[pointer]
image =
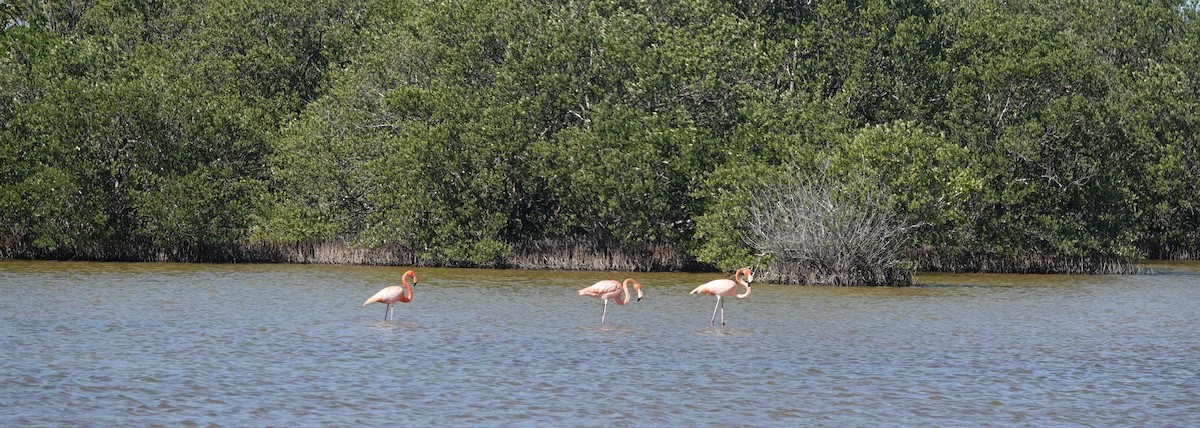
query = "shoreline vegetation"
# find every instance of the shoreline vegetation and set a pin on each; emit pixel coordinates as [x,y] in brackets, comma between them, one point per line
[589,256]
[837,142]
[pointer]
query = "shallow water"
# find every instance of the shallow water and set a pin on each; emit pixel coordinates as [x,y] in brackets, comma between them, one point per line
[103,344]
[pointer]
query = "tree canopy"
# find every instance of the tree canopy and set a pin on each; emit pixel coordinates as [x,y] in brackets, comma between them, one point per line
[1009,135]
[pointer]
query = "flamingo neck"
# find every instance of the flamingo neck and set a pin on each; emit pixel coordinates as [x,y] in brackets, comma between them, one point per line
[408,293]
[624,297]
[743,272]
[625,290]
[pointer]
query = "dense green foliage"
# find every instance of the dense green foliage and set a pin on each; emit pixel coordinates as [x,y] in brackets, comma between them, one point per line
[460,130]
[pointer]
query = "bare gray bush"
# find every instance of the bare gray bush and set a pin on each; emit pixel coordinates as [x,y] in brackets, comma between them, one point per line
[824,231]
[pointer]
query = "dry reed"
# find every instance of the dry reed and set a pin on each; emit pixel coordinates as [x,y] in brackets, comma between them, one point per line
[928,259]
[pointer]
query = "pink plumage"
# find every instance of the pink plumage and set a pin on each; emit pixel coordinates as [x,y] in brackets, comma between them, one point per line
[605,290]
[726,288]
[389,296]
[394,294]
[718,287]
[612,290]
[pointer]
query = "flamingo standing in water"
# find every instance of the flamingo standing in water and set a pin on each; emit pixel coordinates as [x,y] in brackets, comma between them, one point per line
[612,290]
[394,294]
[726,288]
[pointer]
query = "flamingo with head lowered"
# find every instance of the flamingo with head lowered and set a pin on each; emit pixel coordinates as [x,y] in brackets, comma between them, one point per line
[394,294]
[612,290]
[726,288]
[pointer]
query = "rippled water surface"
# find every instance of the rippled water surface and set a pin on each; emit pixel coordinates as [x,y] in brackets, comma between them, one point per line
[110,344]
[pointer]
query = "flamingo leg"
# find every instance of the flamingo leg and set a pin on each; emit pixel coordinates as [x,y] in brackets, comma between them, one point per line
[605,313]
[722,301]
[713,321]
[387,313]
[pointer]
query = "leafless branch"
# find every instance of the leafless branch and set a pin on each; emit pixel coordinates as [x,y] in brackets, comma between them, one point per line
[842,233]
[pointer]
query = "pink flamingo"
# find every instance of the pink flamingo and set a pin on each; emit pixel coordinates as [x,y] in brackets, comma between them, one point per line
[611,289]
[726,288]
[394,294]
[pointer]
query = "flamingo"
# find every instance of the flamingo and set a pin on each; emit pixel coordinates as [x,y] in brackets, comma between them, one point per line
[394,294]
[611,289]
[726,288]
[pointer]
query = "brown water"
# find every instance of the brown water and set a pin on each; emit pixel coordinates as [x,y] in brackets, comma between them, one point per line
[107,344]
